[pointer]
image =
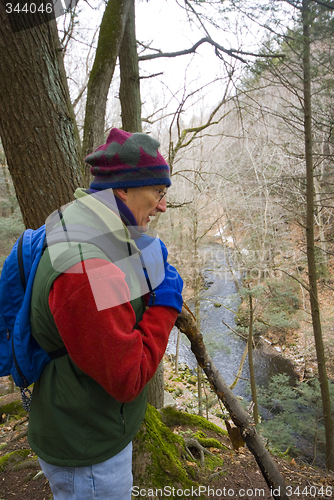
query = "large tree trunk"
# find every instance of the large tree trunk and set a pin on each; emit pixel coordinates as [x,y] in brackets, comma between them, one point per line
[156,393]
[310,210]
[37,124]
[129,92]
[275,481]
[110,38]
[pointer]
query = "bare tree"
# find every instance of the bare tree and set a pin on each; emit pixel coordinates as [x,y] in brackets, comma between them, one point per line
[110,39]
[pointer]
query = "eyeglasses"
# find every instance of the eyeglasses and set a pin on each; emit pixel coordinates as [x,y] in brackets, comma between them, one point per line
[161,194]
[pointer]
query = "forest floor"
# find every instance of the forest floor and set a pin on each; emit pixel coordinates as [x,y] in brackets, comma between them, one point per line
[239,477]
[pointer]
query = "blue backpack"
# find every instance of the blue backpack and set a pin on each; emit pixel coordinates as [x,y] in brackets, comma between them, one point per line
[20,354]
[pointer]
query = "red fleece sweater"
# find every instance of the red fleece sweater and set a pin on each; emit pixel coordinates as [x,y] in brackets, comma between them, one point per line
[103,343]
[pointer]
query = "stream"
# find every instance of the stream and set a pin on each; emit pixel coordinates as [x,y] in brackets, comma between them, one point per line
[219,301]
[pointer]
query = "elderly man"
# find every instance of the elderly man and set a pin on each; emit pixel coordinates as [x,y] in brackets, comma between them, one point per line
[108,311]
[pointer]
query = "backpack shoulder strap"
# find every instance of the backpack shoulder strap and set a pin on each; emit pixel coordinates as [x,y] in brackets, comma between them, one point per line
[20,261]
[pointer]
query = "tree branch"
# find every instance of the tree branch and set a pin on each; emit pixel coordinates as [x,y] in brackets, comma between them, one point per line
[240,417]
[231,52]
[324,4]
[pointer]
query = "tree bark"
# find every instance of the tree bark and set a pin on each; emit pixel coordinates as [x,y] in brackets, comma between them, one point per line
[129,92]
[250,361]
[310,211]
[37,123]
[240,417]
[156,393]
[110,38]
[129,95]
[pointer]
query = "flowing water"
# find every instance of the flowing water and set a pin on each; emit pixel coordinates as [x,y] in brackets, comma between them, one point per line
[219,302]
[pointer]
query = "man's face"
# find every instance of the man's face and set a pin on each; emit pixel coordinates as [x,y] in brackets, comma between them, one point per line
[145,202]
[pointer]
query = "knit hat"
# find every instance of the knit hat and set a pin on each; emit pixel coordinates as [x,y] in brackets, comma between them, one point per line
[128,160]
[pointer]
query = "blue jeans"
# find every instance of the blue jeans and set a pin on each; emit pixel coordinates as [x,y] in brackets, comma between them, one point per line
[109,480]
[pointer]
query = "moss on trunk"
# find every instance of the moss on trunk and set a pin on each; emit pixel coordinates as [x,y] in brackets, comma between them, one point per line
[160,460]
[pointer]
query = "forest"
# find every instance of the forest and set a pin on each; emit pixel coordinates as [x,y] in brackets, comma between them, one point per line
[240,96]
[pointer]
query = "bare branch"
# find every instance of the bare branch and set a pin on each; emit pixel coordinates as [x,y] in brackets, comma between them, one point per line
[151,76]
[178,205]
[324,4]
[231,52]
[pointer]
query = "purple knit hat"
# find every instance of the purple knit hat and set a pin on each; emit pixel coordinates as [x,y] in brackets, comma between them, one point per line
[128,160]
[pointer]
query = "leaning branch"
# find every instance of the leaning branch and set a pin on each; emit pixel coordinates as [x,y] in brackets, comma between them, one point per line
[186,323]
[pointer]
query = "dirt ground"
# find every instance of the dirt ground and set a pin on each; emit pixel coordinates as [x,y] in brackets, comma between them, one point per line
[20,485]
[243,479]
[239,477]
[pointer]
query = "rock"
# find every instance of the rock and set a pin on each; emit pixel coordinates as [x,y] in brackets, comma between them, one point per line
[168,399]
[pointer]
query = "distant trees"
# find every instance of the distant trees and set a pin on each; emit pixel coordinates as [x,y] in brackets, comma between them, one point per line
[302,75]
[311,257]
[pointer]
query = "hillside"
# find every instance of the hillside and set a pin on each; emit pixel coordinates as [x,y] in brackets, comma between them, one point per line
[228,474]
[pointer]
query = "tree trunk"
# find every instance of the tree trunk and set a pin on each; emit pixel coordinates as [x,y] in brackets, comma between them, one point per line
[197,291]
[275,481]
[310,210]
[129,95]
[129,92]
[155,395]
[37,124]
[110,38]
[251,363]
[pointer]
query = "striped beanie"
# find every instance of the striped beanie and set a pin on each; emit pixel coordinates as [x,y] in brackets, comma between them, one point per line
[128,160]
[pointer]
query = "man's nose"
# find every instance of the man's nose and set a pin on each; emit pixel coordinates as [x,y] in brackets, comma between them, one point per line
[162,205]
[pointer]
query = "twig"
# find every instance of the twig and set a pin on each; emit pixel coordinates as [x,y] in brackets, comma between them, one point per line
[19,436]
[215,474]
[20,422]
[234,331]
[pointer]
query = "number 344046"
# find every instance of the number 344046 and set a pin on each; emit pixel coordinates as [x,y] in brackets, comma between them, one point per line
[28,8]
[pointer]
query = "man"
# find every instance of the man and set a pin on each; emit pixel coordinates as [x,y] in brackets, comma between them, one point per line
[112,307]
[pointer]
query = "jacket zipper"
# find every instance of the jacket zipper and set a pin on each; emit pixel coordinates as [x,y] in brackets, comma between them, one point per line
[122,417]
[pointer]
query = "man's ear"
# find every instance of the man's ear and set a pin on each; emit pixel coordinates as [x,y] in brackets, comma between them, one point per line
[121,193]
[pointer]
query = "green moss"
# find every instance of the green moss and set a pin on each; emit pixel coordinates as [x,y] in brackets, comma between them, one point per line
[14,408]
[29,463]
[170,416]
[199,434]
[158,456]
[13,458]
[207,442]
[213,461]
[160,459]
